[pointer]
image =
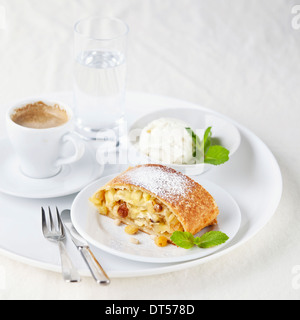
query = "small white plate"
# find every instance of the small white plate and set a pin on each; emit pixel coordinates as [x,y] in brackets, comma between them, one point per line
[224,132]
[101,231]
[71,179]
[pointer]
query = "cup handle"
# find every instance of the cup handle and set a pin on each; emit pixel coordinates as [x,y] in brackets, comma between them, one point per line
[79,150]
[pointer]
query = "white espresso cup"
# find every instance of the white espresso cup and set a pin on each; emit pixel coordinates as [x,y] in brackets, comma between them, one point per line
[40,149]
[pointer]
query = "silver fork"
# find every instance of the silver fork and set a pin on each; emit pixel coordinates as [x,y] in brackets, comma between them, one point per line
[57,234]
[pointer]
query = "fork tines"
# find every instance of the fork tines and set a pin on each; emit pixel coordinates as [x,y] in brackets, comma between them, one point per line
[54,232]
[51,227]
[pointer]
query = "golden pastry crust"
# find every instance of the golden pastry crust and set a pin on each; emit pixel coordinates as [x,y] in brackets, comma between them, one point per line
[192,205]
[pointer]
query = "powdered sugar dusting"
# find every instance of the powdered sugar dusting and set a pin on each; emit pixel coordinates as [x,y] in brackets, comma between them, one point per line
[161,181]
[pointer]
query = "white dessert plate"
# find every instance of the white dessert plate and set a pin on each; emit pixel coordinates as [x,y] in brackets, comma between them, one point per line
[71,179]
[224,132]
[105,235]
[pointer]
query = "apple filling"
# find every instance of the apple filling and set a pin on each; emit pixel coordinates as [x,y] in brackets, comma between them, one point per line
[138,208]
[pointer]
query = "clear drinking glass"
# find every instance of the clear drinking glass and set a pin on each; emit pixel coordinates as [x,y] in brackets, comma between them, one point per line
[99,74]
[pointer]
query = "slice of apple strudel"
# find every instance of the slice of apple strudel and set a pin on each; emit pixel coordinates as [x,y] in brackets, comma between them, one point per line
[157,200]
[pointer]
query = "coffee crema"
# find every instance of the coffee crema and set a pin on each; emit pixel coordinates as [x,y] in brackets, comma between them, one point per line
[40,116]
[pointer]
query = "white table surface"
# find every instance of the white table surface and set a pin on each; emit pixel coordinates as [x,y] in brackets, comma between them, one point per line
[238,57]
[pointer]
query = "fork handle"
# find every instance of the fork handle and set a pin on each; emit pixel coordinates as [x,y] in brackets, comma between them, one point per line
[94,266]
[69,272]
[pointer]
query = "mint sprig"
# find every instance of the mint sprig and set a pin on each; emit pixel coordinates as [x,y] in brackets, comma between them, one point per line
[205,152]
[210,239]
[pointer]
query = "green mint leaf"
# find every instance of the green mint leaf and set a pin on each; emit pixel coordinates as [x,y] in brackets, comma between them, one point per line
[206,142]
[196,143]
[211,239]
[216,155]
[183,239]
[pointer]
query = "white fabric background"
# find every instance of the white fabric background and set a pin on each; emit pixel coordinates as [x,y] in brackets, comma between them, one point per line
[239,57]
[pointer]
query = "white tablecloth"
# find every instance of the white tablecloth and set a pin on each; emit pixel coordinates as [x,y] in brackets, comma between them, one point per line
[238,57]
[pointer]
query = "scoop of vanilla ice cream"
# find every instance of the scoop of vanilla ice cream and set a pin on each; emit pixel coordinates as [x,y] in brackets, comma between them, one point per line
[166,140]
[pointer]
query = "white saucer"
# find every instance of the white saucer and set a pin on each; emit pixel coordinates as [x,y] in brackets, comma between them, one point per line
[71,179]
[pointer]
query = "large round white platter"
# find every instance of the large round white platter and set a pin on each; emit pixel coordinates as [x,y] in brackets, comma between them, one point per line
[252,177]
